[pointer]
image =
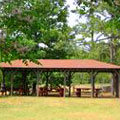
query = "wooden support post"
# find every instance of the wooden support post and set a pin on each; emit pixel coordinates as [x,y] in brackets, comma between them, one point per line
[47,80]
[92,84]
[24,74]
[37,86]
[65,74]
[113,84]
[3,87]
[48,74]
[69,78]
[117,86]
[11,89]
[70,90]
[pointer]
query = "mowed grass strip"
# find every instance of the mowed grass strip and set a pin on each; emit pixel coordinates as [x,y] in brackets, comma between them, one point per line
[48,108]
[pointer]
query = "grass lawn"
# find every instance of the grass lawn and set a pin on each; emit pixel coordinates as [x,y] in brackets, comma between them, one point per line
[47,108]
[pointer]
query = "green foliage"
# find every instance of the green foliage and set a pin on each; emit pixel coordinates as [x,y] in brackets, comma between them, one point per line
[81,78]
[28,23]
[98,37]
[84,78]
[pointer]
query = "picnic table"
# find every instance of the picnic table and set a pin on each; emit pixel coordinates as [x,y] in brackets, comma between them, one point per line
[80,90]
[43,91]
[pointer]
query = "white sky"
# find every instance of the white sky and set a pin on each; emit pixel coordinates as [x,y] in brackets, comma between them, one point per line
[72,19]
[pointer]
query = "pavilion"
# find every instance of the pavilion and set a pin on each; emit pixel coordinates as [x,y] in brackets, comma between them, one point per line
[67,66]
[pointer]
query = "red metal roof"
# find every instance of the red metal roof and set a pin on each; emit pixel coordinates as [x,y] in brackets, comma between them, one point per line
[61,63]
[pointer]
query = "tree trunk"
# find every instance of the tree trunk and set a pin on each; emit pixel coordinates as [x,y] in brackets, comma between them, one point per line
[112,60]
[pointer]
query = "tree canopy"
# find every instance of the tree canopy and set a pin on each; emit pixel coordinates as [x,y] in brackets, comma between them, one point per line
[99,35]
[34,29]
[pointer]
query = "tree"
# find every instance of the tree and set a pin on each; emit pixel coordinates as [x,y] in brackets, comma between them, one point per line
[101,26]
[27,23]
[34,29]
[101,29]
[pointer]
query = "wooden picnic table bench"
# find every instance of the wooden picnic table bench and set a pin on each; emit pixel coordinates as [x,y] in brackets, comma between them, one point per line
[44,91]
[86,90]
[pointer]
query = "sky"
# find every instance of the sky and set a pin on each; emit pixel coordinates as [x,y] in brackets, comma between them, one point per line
[72,19]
